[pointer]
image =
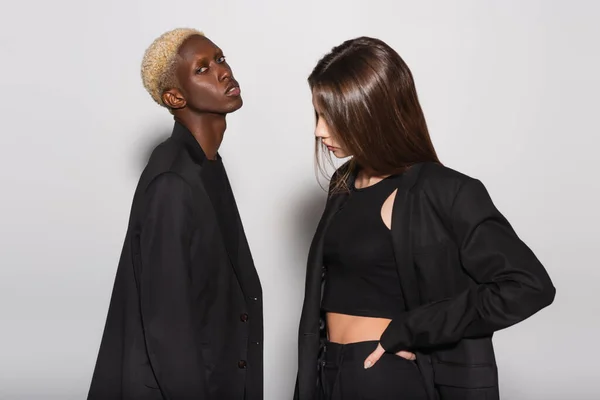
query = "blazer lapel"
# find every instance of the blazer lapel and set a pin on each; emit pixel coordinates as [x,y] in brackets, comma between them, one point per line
[204,187]
[333,206]
[401,236]
[315,268]
[309,322]
[402,214]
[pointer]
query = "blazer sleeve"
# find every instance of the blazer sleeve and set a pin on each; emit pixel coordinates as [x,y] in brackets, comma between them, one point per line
[165,290]
[511,284]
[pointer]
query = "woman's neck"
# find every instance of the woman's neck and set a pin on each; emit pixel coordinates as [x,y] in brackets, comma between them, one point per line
[366,178]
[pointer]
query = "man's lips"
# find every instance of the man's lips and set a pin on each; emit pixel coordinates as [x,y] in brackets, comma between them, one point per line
[233,89]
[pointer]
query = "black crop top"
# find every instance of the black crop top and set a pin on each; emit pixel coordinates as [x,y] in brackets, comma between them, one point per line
[361,274]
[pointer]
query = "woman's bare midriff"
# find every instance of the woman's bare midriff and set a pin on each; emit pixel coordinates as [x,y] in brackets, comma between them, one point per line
[344,329]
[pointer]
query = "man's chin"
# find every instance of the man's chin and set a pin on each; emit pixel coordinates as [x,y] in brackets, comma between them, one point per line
[220,109]
[231,108]
[238,105]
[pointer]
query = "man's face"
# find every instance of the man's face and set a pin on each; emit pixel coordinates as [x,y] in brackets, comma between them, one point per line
[205,79]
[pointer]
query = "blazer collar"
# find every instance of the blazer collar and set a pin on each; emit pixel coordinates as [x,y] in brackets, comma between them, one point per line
[184,136]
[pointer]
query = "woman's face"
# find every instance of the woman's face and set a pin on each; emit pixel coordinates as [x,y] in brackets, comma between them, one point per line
[325,135]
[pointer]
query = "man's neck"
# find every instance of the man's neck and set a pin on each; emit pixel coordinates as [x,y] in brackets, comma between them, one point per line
[207,129]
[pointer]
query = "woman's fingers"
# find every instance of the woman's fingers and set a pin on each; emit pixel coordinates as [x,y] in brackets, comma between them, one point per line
[407,354]
[374,357]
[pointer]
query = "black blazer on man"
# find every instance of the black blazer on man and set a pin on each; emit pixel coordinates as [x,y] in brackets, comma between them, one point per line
[464,275]
[185,318]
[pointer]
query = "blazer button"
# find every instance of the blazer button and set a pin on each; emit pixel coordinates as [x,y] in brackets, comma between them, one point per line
[321,323]
[244,317]
[242,364]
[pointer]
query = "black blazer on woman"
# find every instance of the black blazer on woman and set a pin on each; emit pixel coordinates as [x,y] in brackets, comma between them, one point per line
[185,319]
[464,274]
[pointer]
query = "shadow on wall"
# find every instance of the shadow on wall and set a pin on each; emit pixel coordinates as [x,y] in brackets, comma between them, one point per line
[149,140]
[306,212]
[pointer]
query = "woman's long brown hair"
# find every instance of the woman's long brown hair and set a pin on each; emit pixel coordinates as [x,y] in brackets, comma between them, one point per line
[368,98]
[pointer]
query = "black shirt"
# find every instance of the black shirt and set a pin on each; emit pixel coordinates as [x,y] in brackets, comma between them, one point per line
[362,277]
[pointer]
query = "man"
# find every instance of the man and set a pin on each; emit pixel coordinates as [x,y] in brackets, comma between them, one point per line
[185,319]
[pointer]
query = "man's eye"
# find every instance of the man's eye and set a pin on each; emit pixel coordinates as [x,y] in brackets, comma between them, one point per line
[221,59]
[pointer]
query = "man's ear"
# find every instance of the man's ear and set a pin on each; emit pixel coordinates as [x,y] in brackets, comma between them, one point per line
[173,99]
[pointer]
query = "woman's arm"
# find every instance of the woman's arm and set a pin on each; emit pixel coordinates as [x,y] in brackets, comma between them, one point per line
[511,283]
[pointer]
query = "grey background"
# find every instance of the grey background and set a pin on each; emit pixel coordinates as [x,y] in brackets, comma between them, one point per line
[509,89]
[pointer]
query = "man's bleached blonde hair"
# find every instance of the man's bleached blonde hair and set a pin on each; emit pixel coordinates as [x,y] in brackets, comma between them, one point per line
[158,72]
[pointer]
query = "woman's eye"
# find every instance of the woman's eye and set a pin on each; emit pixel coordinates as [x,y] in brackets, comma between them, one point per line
[221,59]
[201,70]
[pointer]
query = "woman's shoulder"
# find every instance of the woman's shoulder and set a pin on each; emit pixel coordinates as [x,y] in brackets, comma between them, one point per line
[439,174]
[341,177]
[441,183]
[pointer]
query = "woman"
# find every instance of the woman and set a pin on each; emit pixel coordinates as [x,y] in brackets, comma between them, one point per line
[418,266]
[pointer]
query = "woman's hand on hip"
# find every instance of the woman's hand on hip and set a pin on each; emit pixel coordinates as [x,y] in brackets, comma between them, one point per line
[376,355]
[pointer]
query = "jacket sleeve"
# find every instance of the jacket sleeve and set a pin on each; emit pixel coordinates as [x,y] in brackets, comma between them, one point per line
[511,284]
[165,290]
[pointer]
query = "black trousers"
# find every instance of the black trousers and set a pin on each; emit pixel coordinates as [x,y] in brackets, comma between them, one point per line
[343,376]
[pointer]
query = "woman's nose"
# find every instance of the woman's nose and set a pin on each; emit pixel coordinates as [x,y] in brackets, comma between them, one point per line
[320,132]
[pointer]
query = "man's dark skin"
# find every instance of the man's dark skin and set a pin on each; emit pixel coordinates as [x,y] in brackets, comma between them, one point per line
[205,94]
